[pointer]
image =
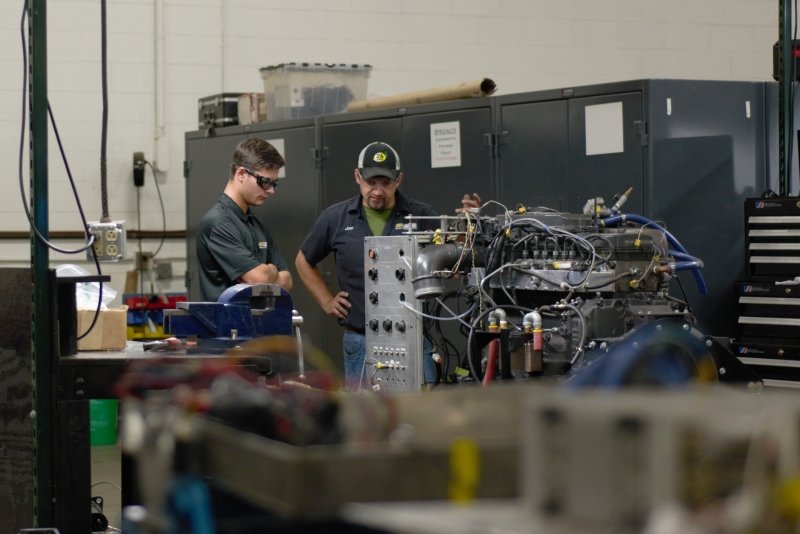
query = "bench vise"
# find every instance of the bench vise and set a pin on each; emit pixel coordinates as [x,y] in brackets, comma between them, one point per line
[242,312]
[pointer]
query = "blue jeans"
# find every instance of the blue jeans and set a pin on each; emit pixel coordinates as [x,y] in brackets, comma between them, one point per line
[354,347]
[354,354]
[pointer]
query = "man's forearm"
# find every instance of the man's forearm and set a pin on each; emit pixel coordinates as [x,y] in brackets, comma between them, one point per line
[267,273]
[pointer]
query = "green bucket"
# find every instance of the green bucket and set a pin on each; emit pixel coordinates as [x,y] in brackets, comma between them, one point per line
[103,421]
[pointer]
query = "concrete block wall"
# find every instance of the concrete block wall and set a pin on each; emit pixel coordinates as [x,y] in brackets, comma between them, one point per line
[213,46]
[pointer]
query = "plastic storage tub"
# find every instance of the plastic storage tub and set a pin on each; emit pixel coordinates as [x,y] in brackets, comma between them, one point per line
[298,90]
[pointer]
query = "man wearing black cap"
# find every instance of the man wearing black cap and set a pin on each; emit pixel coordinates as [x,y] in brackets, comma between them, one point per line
[379,209]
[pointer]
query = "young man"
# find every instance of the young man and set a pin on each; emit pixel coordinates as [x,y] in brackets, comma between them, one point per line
[378,209]
[232,245]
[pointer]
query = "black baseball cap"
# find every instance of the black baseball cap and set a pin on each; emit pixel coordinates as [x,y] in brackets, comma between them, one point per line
[378,159]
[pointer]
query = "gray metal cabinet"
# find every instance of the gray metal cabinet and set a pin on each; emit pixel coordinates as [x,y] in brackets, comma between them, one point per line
[442,186]
[342,138]
[606,173]
[692,150]
[206,171]
[533,152]
[546,158]
[409,131]
[707,153]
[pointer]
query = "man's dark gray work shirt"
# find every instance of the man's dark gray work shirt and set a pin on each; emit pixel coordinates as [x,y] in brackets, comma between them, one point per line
[341,229]
[230,243]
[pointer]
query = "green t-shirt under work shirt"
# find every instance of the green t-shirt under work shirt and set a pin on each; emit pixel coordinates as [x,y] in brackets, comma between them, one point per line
[376,219]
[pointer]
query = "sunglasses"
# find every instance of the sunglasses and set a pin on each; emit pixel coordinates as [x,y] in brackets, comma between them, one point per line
[262,181]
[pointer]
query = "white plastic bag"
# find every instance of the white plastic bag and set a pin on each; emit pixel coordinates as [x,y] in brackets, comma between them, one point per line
[86,293]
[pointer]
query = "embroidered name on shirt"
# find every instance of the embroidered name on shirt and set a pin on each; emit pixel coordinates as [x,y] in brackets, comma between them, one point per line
[262,245]
[348,228]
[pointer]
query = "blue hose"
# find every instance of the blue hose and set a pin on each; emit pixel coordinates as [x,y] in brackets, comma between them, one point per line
[673,242]
[680,256]
[687,265]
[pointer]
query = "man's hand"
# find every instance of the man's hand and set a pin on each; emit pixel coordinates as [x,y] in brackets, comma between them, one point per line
[266,273]
[338,305]
[468,202]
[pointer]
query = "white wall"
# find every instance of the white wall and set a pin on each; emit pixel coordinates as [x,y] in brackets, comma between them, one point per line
[214,46]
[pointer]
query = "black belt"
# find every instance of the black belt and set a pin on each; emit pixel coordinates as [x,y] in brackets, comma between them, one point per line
[356,330]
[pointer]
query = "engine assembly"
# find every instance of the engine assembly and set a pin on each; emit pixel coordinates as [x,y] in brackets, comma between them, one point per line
[539,293]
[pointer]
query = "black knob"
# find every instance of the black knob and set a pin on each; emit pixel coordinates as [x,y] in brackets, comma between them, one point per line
[400,274]
[373,325]
[373,297]
[387,325]
[401,326]
[373,274]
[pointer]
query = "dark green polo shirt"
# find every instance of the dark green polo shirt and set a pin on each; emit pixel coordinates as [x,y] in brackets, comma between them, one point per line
[230,243]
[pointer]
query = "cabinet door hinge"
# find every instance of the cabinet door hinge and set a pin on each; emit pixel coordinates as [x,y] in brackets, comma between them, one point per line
[317,155]
[640,127]
[494,140]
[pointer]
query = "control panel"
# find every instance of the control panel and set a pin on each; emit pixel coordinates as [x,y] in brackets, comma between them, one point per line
[393,324]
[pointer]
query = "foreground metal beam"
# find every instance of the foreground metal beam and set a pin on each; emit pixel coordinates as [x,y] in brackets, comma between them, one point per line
[42,305]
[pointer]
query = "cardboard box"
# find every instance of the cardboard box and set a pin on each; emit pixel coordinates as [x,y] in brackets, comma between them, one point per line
[109,333]
[252,108]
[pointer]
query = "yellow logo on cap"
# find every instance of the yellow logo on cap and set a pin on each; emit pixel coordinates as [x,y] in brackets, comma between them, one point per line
[379,157]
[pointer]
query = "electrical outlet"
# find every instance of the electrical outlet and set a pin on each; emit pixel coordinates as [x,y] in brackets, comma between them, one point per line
[109,240]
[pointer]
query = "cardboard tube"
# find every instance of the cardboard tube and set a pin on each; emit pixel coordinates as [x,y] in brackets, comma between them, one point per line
[475,88]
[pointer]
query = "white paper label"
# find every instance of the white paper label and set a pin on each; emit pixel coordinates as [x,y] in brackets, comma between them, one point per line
[604,129]
[446,144]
